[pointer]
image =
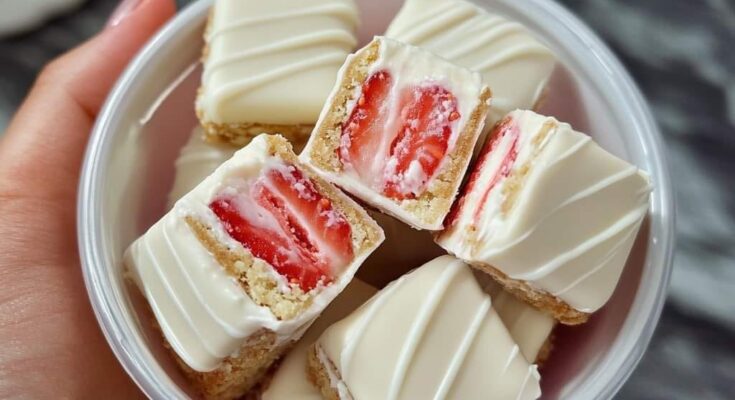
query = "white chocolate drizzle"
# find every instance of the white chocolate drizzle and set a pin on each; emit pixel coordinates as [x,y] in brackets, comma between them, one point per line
[432,334]
[340,10]
[274,62]
[573,220]
[419,326]
[458,359]
[204,313]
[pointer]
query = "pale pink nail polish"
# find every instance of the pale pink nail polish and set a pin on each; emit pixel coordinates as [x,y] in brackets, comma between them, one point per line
[123,10]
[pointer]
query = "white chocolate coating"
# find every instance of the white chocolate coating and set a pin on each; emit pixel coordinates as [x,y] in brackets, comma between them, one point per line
[529,327]
[409,66]
[196,161]
[290,380]
[432,334]
[514,64]
[274,61]
[573,221]
[203,312]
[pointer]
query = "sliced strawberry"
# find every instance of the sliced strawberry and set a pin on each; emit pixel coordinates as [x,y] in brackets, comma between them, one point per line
[328,225]
[296,267]
[427,114]
[303,237]
[361,132]
[262,244]
[506,127]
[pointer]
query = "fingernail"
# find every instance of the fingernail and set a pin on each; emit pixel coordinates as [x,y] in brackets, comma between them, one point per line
[123,10]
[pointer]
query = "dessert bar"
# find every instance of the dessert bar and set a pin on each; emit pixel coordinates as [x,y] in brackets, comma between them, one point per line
[243,263]
[549,214]
[269,65]
[431,334]
[399,129]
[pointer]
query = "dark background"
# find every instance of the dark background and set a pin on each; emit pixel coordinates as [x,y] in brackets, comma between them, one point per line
[682,54]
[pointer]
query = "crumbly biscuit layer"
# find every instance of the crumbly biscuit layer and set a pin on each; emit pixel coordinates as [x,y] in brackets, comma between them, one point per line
[540,299]
[241,134]
[319,377]
[238,373]
[327,139]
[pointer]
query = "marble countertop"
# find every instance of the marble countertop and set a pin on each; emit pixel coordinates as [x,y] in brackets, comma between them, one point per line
[681,54]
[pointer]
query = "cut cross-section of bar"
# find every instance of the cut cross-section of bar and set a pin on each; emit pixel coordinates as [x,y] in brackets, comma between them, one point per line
[431,334]
[281,218]
[399,129]
[236,271]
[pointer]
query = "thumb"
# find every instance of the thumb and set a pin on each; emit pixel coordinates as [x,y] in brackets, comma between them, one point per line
[46,139]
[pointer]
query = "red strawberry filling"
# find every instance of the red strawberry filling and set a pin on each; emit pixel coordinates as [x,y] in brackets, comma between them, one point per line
[397,144]
[503,129]
[283,220]
[359,142]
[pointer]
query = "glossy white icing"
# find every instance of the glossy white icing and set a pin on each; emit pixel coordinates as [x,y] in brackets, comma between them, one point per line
[203,312]
[573,220]
[196,161]
[274,61]
[432,334]
[512,62]
[290,380]
[409,66]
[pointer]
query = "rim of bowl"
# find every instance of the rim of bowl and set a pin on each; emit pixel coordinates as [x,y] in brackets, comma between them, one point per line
[612,371]
[619,363]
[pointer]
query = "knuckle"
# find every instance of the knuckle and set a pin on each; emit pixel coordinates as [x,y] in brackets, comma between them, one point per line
[54,70]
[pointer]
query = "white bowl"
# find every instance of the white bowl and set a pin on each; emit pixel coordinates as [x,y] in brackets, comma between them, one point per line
[128,171]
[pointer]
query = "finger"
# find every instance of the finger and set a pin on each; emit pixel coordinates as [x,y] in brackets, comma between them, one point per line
[44,144]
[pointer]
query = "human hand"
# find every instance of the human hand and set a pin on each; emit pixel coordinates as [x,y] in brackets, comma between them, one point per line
[51,346]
